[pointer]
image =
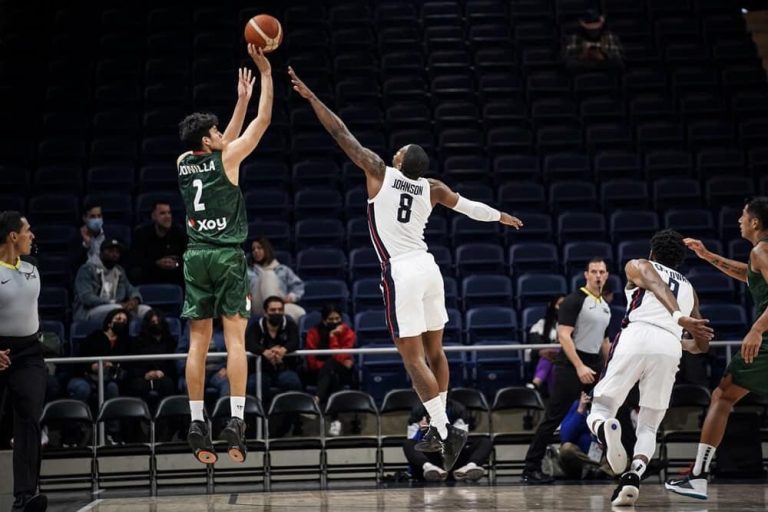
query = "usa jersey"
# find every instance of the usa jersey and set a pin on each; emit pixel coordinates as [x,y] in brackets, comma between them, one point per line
[398,215]
[643,306]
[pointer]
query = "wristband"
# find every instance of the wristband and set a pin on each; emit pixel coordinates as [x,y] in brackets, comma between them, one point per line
[676,316]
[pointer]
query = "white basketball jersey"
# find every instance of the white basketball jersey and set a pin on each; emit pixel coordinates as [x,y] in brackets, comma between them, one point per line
[398,215]
[643,306]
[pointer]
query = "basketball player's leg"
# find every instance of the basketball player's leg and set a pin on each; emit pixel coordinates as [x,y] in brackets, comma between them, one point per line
[438,363]
[435,318]
[233,305]
[425,383]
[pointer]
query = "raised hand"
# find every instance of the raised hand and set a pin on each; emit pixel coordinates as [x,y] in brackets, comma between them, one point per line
[245,81]
[299,86]
[751,346]
[509,220]
[696,246]
[261,61]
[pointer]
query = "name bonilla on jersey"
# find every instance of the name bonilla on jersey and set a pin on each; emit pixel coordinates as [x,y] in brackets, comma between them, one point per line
[196,169]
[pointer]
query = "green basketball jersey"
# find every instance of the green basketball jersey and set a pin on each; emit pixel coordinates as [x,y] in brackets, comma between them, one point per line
[758,288]
[215,206]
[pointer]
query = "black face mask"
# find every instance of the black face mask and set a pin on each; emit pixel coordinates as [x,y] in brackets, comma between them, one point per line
[275,320]
[156,329]
[332,325]
[593,35]
[120,328]
[109,265]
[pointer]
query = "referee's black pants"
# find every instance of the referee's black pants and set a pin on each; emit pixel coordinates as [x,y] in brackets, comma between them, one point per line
[23,384]
[565,389]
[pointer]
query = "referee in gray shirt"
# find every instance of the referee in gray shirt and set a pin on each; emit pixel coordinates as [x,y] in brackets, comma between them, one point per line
[23,374]
[581,324]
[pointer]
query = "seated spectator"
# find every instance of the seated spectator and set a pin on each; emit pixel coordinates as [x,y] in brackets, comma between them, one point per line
[427,466]
[111,340]
[268,277]
[158,249]
[580,454]
[102,288]
[542,332]
[334,372]
[593,47]
[272,337]
[153,379]
[92,232]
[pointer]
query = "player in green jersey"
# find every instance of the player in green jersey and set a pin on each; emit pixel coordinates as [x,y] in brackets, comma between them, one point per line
[748,370]
[214,263]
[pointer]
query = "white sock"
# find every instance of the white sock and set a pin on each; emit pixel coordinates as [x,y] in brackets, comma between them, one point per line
[437,415]
[638,466]
[703,458]
[196,408]
[237,406]
[444,398]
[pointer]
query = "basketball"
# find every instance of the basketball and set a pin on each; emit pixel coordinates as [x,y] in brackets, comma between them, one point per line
[264,31]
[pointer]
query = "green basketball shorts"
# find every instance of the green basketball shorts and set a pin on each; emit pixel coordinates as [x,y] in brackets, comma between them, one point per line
[216,283]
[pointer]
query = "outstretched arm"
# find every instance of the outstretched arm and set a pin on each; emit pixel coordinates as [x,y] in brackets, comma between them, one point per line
[442,194]
[364,158]
[642,274]
[735,269]
[237,150]
[244,90]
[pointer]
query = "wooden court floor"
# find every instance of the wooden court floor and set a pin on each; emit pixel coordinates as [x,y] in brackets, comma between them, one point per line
[653,497]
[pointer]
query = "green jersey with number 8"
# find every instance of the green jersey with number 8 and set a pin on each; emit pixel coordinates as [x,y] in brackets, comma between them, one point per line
[215,206]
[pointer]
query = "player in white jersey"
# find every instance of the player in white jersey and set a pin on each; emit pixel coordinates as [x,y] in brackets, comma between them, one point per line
[400,202]
[661,304]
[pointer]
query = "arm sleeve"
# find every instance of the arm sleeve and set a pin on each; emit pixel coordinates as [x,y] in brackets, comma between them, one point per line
[570,308]
[477,211]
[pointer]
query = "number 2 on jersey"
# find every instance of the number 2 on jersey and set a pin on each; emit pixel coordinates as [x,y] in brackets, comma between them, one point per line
[674,286]
[198,184]
[404,212]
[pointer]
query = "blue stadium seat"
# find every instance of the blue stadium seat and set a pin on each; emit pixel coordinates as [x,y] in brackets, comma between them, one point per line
[461,141]
[59,179]
[559,138]
[264,173]
[577,254]
[538,289]
[633,224]
[693,263]
[54,208]
[367,295]
[491,323]
[110,178]
[493,290]
[621,194]
[632,249]
[530,316]
[314,232]
[453,333]
[168,298]
[78,331]
[573,226]
[693,223]
[357,233]
[525,257]
[603,109]
[317,202]
[324,263]
[728,190]
[363,262]
[713,286]
[318,292]
[509,140]
[753,133]
[613,165]
[57,238]
[572,195]
[728,320]
[566,166]
[56,270]
[278,232]
[727,225]
[451,291]
[521,168]
[609,136]
[465,168]
[116,206]
[316,173]
[146,201]
[538,228]
[718,161]
[521,196]
[270,204]
[666,163]
[371,328]
[355,200]
[479,258]
[53,303]
[465,230]
[501,112]
[436,232]
[659,135]
[676,193]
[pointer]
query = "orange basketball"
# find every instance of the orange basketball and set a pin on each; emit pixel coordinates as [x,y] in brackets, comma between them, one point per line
[264,31]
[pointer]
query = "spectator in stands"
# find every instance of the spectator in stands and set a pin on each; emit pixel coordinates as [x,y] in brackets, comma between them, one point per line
[158,249]
[153,379]
[111,340]
[273,336]
[268,277]
[334,372]
[593,47]
[580,455]
[92,232]
[427,466]
[545,331]
[102,288]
